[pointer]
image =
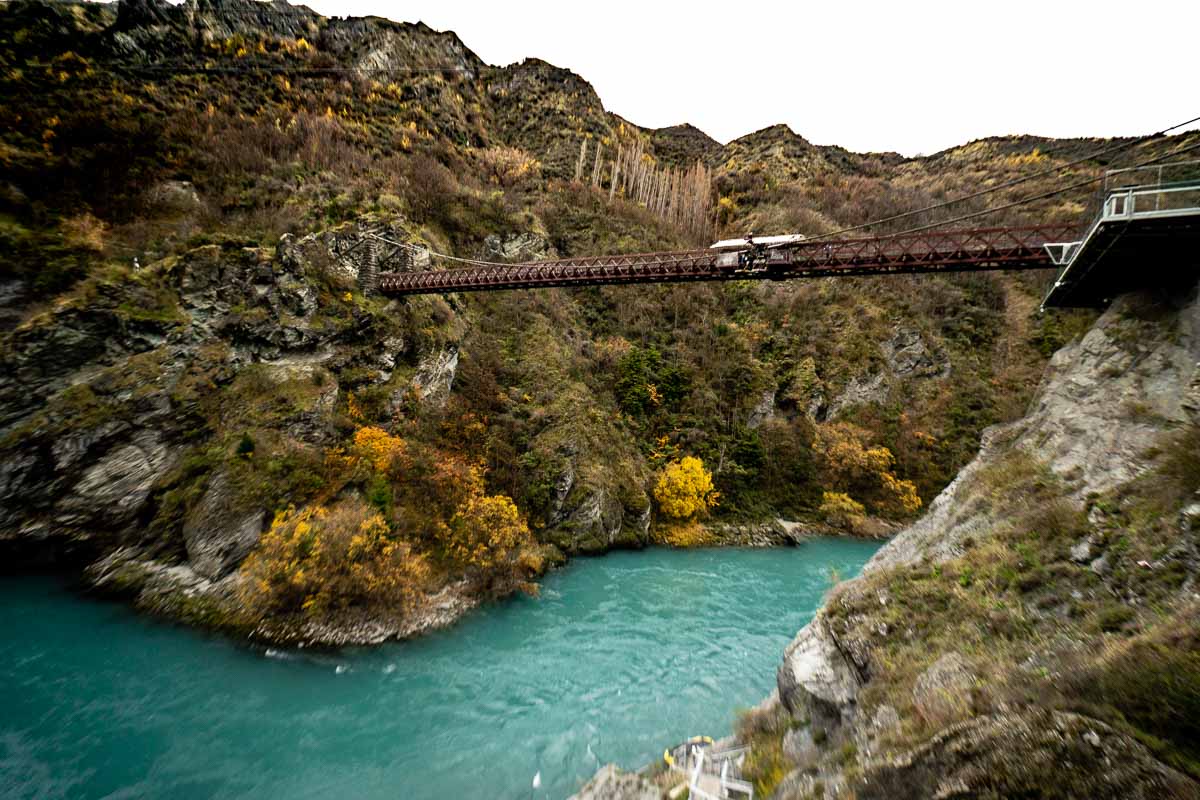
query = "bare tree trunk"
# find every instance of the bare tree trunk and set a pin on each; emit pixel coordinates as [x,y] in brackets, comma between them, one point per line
[582,158]
[596,165]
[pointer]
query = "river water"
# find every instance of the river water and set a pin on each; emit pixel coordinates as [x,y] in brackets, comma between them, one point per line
[620,656]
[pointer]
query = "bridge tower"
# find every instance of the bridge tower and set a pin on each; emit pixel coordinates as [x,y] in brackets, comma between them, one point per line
[368,268]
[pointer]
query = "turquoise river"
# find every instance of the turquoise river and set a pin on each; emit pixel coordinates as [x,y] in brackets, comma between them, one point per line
[619,656]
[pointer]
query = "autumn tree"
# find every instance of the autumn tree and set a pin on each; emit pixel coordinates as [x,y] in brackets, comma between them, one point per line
[318,560]
[490,536]
[852,468]
[841,510]
[685,488]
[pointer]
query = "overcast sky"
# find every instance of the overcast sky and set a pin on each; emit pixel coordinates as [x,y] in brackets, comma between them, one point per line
[914,77]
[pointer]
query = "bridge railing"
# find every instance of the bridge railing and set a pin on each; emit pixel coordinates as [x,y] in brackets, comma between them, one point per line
[1173,173]
[1154,201]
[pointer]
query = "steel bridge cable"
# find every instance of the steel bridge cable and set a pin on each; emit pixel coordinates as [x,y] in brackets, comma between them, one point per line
[1009,184]
[964,217]
[1034,198]
[434,254]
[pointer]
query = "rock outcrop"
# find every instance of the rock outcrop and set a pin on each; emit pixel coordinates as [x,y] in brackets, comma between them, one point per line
[114,434]
[610,783]
[217,533]
[816,680]
[905,357]
[1102,403]
[435,375]
[1107,403]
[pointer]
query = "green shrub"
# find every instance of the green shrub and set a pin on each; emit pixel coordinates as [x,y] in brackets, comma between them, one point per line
[245,447]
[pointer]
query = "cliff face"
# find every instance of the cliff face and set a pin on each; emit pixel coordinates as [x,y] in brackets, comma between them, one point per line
[1035,632]
[1103,404]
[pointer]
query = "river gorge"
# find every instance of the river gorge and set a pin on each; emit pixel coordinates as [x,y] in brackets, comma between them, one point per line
[619,657]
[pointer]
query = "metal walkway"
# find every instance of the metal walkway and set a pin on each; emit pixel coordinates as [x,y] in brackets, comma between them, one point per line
[712,773]
[930,251]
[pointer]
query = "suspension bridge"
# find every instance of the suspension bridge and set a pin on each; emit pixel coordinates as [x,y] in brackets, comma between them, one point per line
[1144,235]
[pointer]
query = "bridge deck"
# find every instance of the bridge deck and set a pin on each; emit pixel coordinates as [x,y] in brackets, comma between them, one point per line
[929,251]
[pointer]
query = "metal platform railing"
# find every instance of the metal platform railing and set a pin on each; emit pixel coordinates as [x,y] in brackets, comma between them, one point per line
[1143,203]
[1172,173]
[716,774]
[1130,203]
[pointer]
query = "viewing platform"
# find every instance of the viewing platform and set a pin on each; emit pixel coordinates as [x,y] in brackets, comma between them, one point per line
[1146,235]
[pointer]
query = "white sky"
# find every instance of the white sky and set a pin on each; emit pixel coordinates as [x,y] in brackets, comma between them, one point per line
[913,76]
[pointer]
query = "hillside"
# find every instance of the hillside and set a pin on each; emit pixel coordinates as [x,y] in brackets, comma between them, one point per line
[200,408]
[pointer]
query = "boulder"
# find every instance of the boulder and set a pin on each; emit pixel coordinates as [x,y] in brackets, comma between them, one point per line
[610,783]
[942,693]
[816,679]
[220,532]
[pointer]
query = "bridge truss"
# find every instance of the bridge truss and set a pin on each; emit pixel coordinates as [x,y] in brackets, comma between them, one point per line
[972,250]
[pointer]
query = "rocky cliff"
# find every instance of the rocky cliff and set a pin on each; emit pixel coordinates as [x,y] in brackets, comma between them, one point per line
[1035,633]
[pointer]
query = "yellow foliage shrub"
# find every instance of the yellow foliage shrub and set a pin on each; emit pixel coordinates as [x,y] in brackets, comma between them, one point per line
[841,510]
[898,495]
[685,488]
[489,535]
[378,447]
[845,457]
[318,560]
[507,165]
[689,533]
[849,465]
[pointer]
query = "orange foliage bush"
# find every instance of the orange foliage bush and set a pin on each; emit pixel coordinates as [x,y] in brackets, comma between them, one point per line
[852,468]
[318,560]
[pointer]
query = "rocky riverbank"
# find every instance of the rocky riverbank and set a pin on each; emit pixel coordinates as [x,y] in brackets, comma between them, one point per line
[1023,638]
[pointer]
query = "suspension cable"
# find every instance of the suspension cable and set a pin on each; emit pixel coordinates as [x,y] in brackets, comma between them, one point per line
[1035,198]
[1011,183]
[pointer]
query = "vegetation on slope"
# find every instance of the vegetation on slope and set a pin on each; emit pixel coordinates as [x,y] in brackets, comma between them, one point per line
[570,403]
